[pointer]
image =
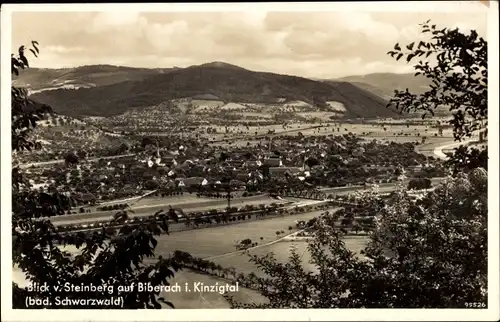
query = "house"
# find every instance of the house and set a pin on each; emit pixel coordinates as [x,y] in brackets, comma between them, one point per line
[252,165]
[228,169]
[273,162]
[295,170]
[86,198]
[236,183]
[280,171]
[192,182]
[242,177]
[169,161]
[317,168]
[256,175]
[170,185]
[235,163]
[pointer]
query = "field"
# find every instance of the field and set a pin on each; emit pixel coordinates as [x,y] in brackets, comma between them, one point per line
[213,204]
[257,115]
[218,243]
[378,131]
[206,105]
[337,106]
[220,240]
[367,131]
[317,115]
[243,265]
[172,200]
[282,251]
[213,241]
[148,209]
[233,106]
[431,144]
[238,260]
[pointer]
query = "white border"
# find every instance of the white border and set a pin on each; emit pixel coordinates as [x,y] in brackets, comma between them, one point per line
[491,314]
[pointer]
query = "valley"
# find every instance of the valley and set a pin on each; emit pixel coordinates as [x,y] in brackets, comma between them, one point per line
[228,155]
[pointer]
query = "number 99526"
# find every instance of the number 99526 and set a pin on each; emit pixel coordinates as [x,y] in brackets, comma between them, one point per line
[475,305]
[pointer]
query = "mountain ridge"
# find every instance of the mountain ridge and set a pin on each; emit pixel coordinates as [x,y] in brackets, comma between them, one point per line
[148,87]
[384,84]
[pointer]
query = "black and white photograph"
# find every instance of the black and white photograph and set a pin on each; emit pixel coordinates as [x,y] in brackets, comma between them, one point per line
[248,156]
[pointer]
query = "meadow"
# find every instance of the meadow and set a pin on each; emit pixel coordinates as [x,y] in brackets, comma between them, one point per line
[282,251]
[213,241]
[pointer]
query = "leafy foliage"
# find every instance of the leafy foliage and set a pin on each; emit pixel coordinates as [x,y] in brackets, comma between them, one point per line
[104,257]
[419,184]
[25,112]
[459,77]
[459,81]
[424,253]
[430,253]
[464,159]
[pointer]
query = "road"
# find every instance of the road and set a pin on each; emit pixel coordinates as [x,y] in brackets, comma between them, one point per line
[438,151]
[38,164]
[145,211]
[382,187]
[264,135]
[180,226]
[148,210]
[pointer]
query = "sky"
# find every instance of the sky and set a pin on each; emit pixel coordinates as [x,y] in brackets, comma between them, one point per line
[309,44]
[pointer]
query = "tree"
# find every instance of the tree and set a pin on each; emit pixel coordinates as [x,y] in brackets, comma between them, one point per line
[110,256]
[148,141]
[459,78]
[71,158]
[312,161]
[356,227]
[419,184]
[425,254]
[465,159]
[245,243]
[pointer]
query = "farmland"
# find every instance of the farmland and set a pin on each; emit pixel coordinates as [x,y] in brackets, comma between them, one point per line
[364,130]
[218,243]
[243,265]
[172,145]
[149,208]
[213,242]
[282,251]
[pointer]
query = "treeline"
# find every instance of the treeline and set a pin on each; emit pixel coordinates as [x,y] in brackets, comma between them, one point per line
[419,184]
[120,206]
[196,220]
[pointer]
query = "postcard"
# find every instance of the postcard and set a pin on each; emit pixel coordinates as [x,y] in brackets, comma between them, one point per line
[250,161]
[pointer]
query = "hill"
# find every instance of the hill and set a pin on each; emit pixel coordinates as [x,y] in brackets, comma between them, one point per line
[41,79]
[384,84]
[226,82]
